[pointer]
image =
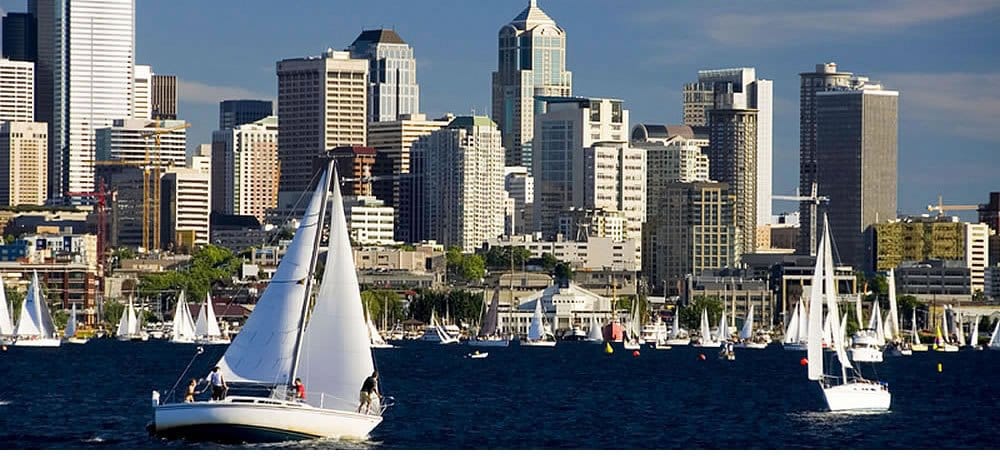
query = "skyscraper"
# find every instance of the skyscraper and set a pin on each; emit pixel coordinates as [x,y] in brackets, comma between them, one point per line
[856,150]
[125,140]
[90,60]
[826,77]
[17,91]
[732,156]
[392,74]
[531,61]
[20,37]
[737,88]
[142,96]
[185,208]
[164,97]
[244,160]
[233,113]
[23,163]
[321,104]
[458,184]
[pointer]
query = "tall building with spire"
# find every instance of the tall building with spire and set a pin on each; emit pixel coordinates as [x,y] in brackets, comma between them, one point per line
[392,74]
[531,62]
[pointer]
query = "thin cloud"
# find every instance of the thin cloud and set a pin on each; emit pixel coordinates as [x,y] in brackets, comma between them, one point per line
[201,93]
[964,104]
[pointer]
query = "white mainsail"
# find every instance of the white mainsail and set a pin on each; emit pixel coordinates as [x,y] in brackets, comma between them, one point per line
[70,330]
[877,317]
[35,319]
[803,335]
[536,331]
[722,334]
[944,326]
[747,331]
[815,316]
[207,325]
[857,312]
[887,327]
[706,332]
[675,328]
[913,323]
[792,331]
[974,337]
[595,331]
[830,293]
[6,323]
[128,325]
[262,350]
[995,338]
[183,322]
[336,350]
[892,328]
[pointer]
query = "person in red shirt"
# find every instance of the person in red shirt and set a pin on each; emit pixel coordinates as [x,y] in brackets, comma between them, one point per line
[300,390]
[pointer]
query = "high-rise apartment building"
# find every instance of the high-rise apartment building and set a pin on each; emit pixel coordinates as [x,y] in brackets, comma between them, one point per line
[87,46]
[392,141]
[20,37]
[531,62]
[23,163]
[164,97]
[737,88]
[142,95]
[244,168]
[322,105]
[131,140]
[856,152]
[458,184]
[674,157]
[17,91]
[233,113]
[732,156]
[520,187]
[184,209]
[392,74]
[582,160]
[826,77]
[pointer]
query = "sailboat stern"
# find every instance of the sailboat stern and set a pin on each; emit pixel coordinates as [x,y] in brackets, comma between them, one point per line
[857,396]
[258,420]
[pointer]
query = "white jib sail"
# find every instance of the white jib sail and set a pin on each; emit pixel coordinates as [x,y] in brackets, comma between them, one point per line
[336,350]
[536,331]
[71,324]
[706,332]
[893,326]
[183,322]
[815,331]
[262,350]
[974,337]
[792,331]
[995,338]
[723,333]
[747,331]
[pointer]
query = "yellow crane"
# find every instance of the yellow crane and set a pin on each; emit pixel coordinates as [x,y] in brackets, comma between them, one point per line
[941,207]
[151,187]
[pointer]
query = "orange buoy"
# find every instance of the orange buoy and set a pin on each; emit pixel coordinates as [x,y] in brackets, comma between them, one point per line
[701,356]
[803,362]
[635,354]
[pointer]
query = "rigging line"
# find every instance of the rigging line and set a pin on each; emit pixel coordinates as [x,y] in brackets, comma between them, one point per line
[197,352]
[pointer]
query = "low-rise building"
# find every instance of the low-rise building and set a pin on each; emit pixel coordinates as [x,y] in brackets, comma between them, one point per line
[935,280]
[564,307]
[369,220]
[65,284]
[591,253]
[737,293]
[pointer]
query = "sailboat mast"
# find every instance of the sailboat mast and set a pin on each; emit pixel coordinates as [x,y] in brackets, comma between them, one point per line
[330,176]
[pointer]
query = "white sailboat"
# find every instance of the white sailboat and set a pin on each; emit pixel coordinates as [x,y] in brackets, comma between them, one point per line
[184,328]
[995,338]
[129,326]
[843,392]
[632,331]
[69,334]
[435,332]
[942,343]
[538,334]
[706,333]
[915,344]
[327,347]
[35,327]
[795,331]
[747,339]
[376,339]
[594,334]
[489,334]
[974,337]
[6,323]
[677,336]
[206,328]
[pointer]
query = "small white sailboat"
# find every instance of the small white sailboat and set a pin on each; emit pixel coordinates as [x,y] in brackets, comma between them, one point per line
[435,332]
[538,336]
[706,333]
[594,334]
[722,333]
[478,355]
[995,338]
[183,327]
[676,336]
[747,337]
[797,331]
[941,341]
[129,326]
[843,392]
[6,323]
[69,334]
[35,327]
[206,328]
[327,347]
[915,344]
[974,336]
[632,331]
[866,344]
[489,334]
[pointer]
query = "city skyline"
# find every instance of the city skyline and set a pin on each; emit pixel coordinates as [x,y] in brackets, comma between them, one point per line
[947,102]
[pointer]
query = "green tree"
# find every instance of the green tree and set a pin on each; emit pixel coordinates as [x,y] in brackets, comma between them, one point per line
[465,266]
[113,312]
[563,272]
[499,258]
[691,313]
[59,317]
[14,299]
[905,305]
[383,302]
[462,305]
[548,262]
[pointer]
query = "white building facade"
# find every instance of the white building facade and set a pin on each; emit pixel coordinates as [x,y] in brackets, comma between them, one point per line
[23,163]
[563,308]
[17,91]
[977,253]
[132,140]
[186,207]
[142,93]
[244,164]
[369,220]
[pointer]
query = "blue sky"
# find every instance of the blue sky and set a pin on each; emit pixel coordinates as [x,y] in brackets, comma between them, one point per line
[941,56]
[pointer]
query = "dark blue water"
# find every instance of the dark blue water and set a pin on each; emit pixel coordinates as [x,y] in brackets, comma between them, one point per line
[97,396]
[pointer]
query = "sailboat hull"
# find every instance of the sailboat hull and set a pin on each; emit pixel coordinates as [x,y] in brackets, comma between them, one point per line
[857,397]
[51,343]
[753,345]
[488,343]
[708,344]
[74,340]
[678,342]
[538,343]
[794,346]
[250,419]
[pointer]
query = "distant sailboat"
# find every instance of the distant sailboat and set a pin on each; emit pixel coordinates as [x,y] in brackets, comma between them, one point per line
[974,337]
[851,392]
[632,332]
[69,334]
[995,338]
[6,323]
[797,331]
[538,335]
[489,334]
[129,326]
[183,328]
[941,342]
[435,332]
[915,344]
[206,328]
[706,333]
[35,327]
[594,334]
[747,338]
[676,335]
[376,339]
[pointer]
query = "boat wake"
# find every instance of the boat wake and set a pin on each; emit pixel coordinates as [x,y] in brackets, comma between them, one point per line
[4,402]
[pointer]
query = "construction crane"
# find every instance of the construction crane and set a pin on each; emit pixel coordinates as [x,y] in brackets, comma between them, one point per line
[941,207]
[152,174]
[815,200]
[101,198]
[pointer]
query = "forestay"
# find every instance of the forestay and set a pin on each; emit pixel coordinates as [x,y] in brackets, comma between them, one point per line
[262,350]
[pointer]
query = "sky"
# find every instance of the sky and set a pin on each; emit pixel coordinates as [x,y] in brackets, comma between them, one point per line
[940,56]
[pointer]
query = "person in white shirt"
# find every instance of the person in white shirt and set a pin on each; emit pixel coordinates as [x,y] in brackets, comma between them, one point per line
[218,384]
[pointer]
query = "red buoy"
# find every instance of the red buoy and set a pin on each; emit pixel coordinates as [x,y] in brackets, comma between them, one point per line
[803,362]
[635,354]
[701,356]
